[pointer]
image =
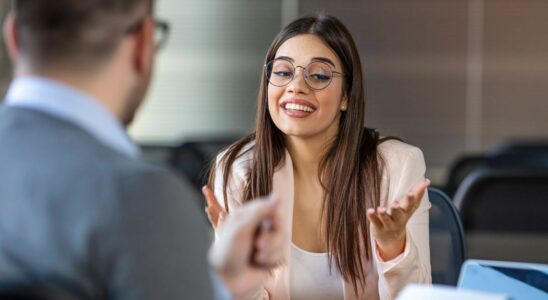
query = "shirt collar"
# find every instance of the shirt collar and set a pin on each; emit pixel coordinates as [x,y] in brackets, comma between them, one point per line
[70,104]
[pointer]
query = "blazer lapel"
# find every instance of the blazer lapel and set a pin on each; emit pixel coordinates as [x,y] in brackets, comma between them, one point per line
[282,187]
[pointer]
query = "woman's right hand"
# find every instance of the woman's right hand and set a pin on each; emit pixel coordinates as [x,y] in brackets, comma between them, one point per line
[215,212]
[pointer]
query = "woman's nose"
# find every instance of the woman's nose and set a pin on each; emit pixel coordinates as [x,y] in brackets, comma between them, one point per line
[298,84]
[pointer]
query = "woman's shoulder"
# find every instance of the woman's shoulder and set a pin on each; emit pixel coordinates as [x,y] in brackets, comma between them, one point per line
[243,159]
[394,151]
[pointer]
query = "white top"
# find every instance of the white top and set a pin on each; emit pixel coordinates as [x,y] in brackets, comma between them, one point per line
[311,277]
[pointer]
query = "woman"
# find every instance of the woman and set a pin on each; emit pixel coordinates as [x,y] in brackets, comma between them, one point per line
[311,149]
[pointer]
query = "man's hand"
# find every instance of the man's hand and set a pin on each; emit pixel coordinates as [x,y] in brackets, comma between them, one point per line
[250,242]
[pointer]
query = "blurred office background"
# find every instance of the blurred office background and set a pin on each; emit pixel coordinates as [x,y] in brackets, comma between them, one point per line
[449,76]
[458,78]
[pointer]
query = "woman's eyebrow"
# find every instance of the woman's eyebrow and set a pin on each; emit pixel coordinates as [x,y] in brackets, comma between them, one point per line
[314,59]
[285,58]
[323,59]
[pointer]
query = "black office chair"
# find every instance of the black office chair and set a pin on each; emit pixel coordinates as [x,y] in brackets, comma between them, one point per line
[447,249]
[19,291]
[509,157]
[524,147]
[157,154]
[461,168]
[505,214]
[520,155]
[192,159]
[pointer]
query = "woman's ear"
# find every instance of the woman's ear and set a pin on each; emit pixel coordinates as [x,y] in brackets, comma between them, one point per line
[10,36]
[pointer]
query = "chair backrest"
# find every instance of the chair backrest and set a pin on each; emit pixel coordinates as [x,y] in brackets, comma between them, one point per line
[504,200]
[513,155]
[461,168]
[192,159]
[504,214]
[516,160]
[447,249]
[157,154]
[20,291]
[525,147]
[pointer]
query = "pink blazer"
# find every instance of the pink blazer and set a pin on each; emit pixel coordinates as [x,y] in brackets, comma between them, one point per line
[404,168]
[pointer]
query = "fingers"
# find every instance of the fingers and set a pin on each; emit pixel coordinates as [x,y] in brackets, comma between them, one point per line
[270,240]
[422,188]
[413,199]
[213,209]
[221,219]
[389,222]
[382,212]
[210,217]
[211,200]
[383,217]
[374,218]
[255,229]
[396,210]
[408,202]
[275,221]
[269,249]
[252,214]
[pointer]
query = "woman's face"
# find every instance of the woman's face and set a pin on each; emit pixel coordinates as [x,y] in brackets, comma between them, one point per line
[298,110]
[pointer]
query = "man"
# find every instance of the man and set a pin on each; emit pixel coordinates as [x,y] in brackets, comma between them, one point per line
[80,216]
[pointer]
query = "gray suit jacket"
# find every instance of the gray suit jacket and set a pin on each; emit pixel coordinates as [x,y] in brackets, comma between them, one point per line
[87,222]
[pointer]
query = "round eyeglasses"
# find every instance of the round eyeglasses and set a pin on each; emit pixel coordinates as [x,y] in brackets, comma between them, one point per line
[161,33]
[317,75]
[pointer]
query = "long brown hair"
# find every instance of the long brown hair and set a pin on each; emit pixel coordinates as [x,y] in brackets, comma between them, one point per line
[350,170]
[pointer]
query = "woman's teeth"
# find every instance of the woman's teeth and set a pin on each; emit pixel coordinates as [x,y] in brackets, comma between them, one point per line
[299,107]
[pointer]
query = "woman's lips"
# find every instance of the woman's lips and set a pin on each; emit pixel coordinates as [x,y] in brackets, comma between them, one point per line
[297,108]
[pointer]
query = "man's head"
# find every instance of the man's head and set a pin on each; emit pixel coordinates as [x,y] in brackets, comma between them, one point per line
[107,44]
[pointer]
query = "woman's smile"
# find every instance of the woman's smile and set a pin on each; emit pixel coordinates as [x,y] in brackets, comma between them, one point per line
[297,108]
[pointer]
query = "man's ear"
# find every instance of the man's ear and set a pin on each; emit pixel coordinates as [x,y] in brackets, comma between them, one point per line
[144,46]
[10,36]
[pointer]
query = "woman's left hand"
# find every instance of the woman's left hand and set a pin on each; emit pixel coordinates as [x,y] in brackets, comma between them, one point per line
[388,225]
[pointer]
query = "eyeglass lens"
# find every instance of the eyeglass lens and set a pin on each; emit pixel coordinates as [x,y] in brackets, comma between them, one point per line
[160,34]
[281,72]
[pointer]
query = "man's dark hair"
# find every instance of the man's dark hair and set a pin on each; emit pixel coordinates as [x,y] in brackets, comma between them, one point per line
[75,32]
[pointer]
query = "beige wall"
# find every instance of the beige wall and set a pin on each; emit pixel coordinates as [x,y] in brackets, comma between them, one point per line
[515,95]
[451,76]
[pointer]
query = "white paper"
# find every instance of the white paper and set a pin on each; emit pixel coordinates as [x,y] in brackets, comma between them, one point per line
[438,292]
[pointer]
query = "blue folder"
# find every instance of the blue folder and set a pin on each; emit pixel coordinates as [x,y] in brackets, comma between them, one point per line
[520,281]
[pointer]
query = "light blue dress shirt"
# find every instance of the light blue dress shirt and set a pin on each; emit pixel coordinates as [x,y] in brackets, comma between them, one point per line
[70,104]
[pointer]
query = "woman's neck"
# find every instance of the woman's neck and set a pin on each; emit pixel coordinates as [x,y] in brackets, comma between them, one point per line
[307,153]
